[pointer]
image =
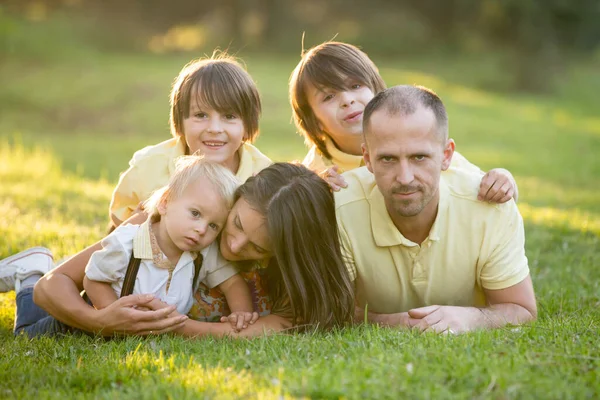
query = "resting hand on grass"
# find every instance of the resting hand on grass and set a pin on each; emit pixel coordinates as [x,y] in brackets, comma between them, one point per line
[498,186]
[514,305]
[241,319]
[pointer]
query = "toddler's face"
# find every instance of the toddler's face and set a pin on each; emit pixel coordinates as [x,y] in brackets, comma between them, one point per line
[193,221]
[218,136]
[340,112]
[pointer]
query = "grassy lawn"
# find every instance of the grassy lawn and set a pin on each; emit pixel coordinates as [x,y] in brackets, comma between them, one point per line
[68,127]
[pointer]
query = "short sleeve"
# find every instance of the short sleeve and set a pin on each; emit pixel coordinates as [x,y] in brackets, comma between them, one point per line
[216,268]
[110,263]
[507,263]
[459,162]
[347,254]
[126,196]
[147,172]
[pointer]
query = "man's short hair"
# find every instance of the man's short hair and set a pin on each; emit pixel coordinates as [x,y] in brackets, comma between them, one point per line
[404,100]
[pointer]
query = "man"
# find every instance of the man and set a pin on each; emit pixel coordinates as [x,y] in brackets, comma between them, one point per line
[422,250]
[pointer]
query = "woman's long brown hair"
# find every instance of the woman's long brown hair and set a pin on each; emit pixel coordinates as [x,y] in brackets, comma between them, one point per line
[308,280]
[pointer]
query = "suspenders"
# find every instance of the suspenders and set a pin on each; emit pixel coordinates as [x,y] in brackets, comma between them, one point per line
[134,266]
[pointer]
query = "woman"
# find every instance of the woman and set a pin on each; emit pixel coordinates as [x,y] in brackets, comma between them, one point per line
[285,218]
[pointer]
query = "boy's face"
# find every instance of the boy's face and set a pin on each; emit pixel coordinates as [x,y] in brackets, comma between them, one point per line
[192,221]
[217,136]
[340,112]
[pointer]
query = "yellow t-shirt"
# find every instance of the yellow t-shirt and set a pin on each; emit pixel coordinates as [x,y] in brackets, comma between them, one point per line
[151,167]
[317,162]
[472,245]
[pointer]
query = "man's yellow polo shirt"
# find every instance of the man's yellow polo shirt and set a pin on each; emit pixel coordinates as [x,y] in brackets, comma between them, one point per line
[472,245]
[317,162]
[151,167]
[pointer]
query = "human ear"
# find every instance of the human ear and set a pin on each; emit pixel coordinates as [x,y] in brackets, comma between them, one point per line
[366,156]
[161,207]
[448,152]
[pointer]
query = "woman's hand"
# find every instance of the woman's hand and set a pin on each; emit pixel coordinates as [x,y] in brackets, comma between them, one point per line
[124,317]
[241,319]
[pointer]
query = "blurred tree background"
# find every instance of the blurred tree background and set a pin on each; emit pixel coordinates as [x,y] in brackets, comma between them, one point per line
[534,40]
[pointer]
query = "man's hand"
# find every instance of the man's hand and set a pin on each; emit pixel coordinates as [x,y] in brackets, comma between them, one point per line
[335,180]
[445,319]
[497,186]
[240,319]
[123,317]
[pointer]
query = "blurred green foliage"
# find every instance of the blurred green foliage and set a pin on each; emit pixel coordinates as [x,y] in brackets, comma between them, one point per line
[534,40]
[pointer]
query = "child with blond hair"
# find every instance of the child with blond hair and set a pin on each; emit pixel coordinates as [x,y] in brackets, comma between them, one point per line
[168,254]
[329,89]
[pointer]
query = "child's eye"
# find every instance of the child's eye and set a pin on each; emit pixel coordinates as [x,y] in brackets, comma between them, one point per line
[328,97]
[230,116]
[200,114]
[196,213]
[214,226]
[356,86]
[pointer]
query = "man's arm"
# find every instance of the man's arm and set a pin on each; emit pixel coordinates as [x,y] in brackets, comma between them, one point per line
[397,319]
[515,305]
[267,325]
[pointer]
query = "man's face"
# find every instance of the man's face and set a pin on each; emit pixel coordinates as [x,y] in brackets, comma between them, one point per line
[406,155]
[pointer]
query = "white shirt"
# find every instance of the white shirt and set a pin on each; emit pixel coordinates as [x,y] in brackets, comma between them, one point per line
[110,265]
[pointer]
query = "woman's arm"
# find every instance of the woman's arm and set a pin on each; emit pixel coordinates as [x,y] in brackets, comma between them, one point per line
[264,326]
[58,292]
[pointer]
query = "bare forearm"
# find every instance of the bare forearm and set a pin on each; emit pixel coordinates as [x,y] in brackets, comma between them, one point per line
[264,326]
[59,296]
[237,293]
[499,315]
[100,293]
[397,319]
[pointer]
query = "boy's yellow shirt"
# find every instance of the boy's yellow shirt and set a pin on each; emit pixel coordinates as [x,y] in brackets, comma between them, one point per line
[151,167]
[317,162]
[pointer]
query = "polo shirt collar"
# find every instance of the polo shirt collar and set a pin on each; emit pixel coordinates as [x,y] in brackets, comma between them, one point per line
[345,161]
[142,247]
[385,232]
[246,163]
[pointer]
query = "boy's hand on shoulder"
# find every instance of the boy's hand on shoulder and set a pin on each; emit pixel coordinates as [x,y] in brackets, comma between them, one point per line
[336,181]
[240,319]
[497,186]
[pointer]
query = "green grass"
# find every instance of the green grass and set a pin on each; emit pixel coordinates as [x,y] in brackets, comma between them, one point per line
[69,126]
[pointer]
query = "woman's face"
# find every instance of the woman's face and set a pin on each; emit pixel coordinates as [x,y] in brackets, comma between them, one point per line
[245,235]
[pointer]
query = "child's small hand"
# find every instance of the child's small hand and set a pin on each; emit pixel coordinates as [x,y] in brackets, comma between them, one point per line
[139,209]
[240,319]
[335,180]
[497,186]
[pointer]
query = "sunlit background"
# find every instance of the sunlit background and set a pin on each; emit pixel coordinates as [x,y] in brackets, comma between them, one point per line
[84,84]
